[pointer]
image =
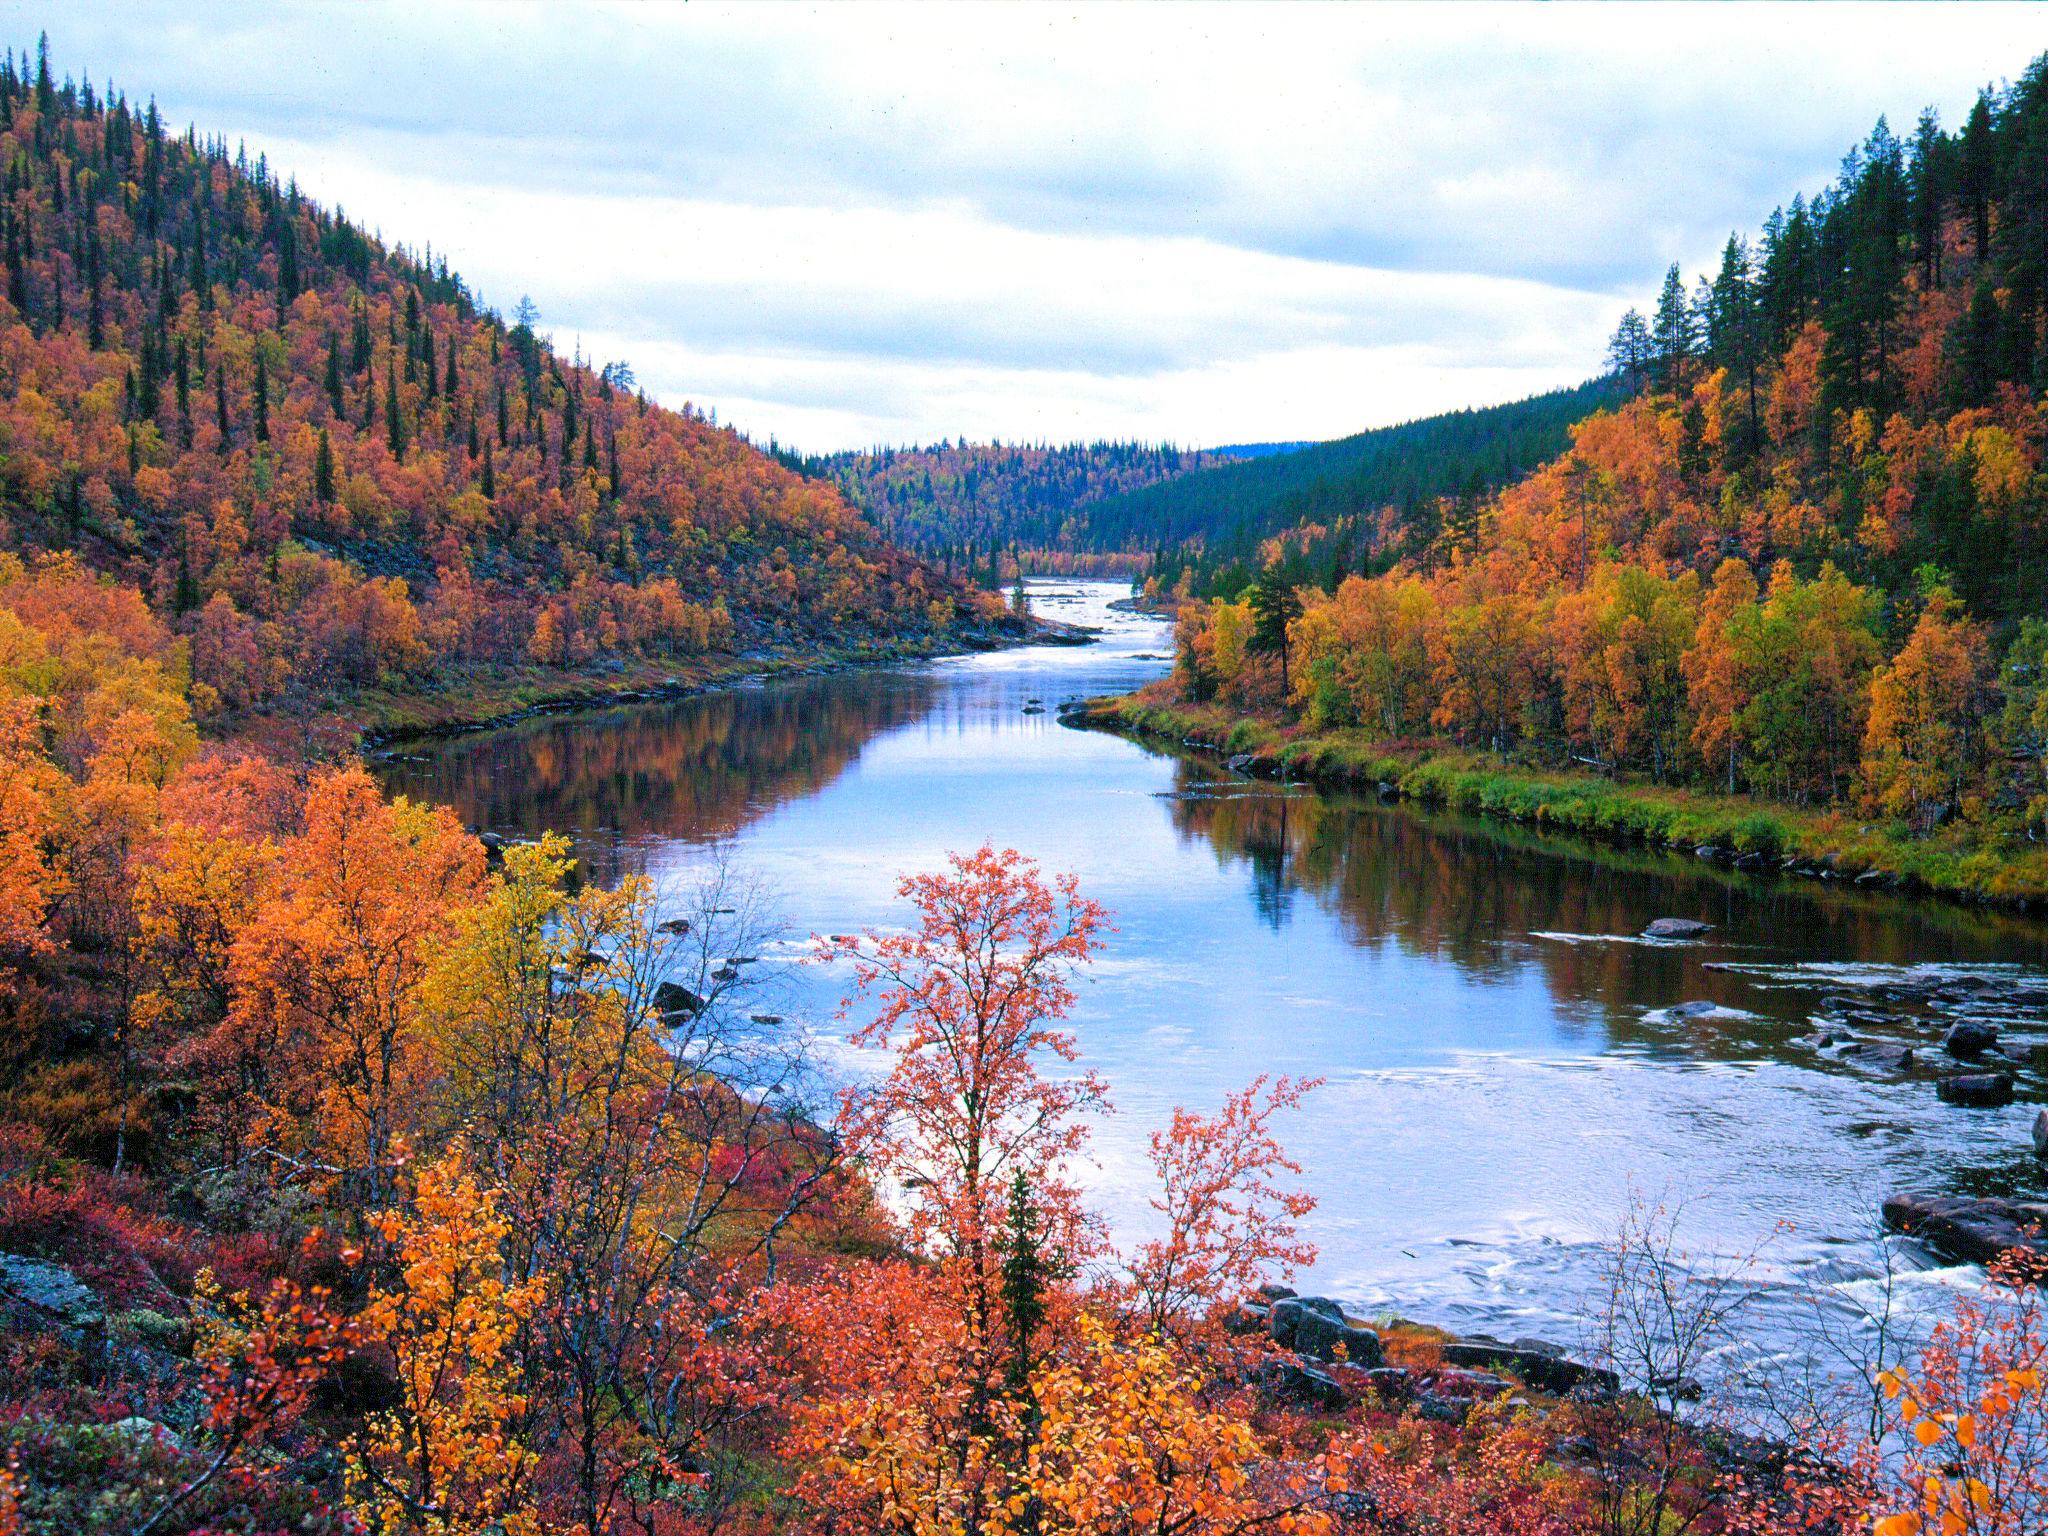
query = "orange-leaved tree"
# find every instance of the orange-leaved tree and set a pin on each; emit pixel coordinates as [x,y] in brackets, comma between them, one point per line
[1974,1415]
[446,1458]
[967,1003]
[915,1416]
[1130,1446]
[1230,1216]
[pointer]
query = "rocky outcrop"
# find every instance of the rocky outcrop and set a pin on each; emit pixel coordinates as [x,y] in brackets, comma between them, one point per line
[1542,1365]
[51,1292]
[1975,1231]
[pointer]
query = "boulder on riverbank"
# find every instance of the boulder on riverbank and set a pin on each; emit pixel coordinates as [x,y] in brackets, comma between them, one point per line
[1325,1338]
[1975,1231]
[1976,1090]
[1677,928]
[1543,1366]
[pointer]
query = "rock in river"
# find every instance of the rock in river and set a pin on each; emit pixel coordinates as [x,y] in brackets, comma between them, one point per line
[1676,928]
[1967,1039]
[1976,1090]
[1879,1056]
[2041,1133]
[674,997]
[1973,1230]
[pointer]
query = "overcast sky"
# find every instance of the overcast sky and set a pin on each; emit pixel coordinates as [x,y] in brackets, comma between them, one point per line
[1210,224]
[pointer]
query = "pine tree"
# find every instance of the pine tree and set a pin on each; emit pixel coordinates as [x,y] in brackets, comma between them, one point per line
[323,470]
[1977,172]
[262,399]
[489,485]
[333,377]
[1674,333]
[394,428]
[1629,353]
[220,402]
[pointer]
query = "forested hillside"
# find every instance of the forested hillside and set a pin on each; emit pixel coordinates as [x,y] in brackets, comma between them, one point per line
[1809,559]
[324,464]
[1357,503]
[980,508]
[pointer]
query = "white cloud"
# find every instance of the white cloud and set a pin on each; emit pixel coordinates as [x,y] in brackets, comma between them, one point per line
[1205,223]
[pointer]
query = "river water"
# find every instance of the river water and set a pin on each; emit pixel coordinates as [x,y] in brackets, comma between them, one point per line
[1502,1075]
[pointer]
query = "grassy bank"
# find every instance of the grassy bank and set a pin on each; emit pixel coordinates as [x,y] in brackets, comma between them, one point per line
[1969,863]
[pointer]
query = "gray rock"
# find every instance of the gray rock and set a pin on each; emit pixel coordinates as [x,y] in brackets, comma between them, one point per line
[1287,1313]
[1976,1090]
[673,926]
[1245,1318]
[52,1290]
[674,998]
[1976,1231]
[135,1427]
[1390,1382]
[1334,1339]
[1879,1056]
[1677,927]
[2041,1133]
[1290,1381]
[1542,1365]
[1697,1009]
[1467,1383]
[1967,1039]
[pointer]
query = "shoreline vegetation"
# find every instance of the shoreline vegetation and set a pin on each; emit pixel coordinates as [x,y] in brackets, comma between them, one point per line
[1959,863]
[500,697]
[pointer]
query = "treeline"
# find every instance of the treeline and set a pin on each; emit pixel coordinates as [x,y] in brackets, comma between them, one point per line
[325,464]
[981,509]
[1356,504]
[1807,560]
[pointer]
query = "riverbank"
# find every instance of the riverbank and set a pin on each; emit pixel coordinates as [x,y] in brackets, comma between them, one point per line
[1963,863]
[483,698]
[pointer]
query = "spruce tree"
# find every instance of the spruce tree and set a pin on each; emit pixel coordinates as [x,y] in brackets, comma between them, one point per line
[394,428]
[323,470]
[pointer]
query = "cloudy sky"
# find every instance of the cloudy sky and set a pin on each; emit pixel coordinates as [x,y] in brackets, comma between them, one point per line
[854,224]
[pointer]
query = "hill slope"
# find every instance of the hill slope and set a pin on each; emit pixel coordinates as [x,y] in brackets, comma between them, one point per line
[965,503]
[325,463]
[1807,560]
[1210,524]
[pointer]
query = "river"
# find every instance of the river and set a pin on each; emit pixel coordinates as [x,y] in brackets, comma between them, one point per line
[1502,1076]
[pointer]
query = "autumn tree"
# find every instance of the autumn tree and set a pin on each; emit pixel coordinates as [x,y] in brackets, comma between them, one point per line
[327,977]
[1924,739]
[1229,1209]
[445,1459]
